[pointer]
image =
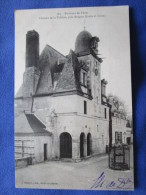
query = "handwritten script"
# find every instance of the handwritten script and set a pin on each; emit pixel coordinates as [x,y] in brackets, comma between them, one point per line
[119,183]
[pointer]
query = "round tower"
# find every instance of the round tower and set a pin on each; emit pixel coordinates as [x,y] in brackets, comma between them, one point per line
[32,49]
[82,43]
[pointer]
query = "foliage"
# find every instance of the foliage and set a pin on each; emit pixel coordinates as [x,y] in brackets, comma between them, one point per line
[118,105]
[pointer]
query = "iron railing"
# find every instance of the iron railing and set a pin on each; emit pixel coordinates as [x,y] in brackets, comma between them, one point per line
[119,157]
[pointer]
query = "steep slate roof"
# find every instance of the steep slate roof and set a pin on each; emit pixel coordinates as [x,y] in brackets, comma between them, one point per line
[48,64]
[29,124]
[76,66]
[69,78]
[58,73]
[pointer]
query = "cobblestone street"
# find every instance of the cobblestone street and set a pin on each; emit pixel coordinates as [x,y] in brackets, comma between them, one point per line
[70,175]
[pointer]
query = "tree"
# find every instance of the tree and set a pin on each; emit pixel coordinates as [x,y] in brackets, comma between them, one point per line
[118,105]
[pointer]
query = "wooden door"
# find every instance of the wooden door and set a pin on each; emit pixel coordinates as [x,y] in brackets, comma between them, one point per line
[65,145]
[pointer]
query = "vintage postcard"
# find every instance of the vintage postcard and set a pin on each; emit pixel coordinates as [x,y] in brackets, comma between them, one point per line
[73,106]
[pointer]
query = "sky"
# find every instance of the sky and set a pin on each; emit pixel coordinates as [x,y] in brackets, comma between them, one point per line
[59,29]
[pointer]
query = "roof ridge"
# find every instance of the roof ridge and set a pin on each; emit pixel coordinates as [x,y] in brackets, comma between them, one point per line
[54,49]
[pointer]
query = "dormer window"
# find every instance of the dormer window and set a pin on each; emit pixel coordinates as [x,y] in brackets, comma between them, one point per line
[83,77]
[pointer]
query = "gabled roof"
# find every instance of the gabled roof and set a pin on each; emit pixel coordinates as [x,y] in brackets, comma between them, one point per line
[29,124]
[68,79]
[58,73]
[48,64]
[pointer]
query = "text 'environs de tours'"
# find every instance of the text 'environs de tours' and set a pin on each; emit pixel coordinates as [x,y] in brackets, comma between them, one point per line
[71,15]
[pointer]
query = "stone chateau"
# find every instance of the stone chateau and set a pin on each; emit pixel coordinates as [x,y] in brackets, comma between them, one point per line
[61,109]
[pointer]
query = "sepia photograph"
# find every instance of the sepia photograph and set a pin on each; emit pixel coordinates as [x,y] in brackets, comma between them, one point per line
[73,102]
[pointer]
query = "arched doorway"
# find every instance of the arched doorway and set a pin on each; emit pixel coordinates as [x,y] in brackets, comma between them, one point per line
[89,144]
[82,138]
[65,145]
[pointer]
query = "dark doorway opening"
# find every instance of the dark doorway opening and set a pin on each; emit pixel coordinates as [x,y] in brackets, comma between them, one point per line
[89,144]
[65,145]
[45,152]
[82,138]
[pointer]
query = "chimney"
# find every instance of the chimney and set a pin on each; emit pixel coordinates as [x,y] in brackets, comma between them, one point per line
[32,73]
[103,87]
[32,49]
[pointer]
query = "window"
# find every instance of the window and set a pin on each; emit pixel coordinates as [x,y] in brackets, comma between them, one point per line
[118,137]
[84,77]
[97,128]
[105,112]
[85,107]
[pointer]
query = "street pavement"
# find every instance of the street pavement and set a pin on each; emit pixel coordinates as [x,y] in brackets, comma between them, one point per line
[90,174]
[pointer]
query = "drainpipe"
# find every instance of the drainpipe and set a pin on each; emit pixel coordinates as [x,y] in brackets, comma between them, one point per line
[110,126]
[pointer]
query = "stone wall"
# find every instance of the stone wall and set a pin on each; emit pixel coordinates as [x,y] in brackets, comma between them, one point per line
[32,146]
[23,162]
[39,148]
[30,81]
[75,124]
[66,114]
[24,146]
